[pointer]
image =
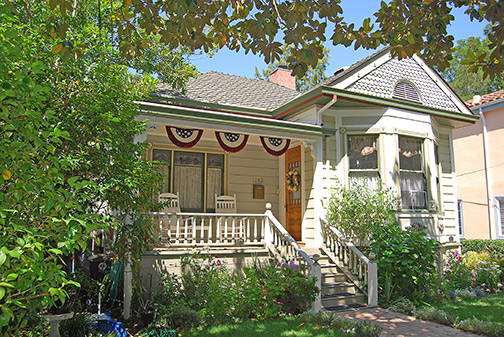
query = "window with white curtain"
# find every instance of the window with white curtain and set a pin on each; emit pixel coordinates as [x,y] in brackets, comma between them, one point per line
[412,177]
[194,176]
[363,160]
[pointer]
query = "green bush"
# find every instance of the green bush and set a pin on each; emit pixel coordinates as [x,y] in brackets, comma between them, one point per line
[494,247]
[404,306]
[360,211]
[406,261]
[331,320]
[180,318]
[435,315]
[476,326]
[77,326]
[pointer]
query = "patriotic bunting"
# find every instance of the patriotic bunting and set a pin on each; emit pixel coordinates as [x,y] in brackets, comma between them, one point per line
[231,142]
[275,146]
[184,137]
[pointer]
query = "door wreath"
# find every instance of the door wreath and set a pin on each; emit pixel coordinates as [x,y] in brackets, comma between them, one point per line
[293,180]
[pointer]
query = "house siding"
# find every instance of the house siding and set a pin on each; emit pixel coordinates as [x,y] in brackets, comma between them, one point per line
[448,221]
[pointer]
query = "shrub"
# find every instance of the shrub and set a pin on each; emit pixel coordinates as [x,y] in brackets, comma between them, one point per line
[180,318]
[408,259]
[471,259]
[404,306]
[360,211]
[494,247]
[435,315]
[77,326]
[476,326]
[487,276]
[465,294]
[366,329]
[331,320]
[456,275]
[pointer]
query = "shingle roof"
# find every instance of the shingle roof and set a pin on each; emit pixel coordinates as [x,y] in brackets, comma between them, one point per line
[226,89]
[494,96]
[338,75]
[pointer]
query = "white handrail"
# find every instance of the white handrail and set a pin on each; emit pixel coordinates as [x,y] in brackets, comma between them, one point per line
[360,269]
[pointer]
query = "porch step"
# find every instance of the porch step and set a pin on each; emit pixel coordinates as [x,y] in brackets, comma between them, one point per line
[346,307]
[335,300]
[338,292]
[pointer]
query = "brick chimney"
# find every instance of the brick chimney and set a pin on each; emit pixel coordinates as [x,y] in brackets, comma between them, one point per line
[282,76]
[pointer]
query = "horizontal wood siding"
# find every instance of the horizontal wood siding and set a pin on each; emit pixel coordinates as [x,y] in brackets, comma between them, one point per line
[308,225]
[448,190]
[253,162]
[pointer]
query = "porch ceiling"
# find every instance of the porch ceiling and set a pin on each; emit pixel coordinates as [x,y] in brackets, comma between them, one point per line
[174,115]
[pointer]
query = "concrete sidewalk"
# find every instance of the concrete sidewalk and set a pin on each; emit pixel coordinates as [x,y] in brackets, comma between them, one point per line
[395,324]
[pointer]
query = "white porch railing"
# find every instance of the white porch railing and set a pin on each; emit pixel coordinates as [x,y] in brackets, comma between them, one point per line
[189,229]
[358,268]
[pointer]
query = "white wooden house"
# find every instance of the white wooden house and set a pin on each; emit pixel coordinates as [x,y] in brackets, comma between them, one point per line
[381,118]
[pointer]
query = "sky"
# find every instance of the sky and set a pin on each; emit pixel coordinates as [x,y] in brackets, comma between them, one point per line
[237,63]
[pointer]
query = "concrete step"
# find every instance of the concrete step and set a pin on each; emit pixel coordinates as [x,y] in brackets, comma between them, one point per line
[328,277]
[337,288]
[339,299]
[329,268]
[346,307]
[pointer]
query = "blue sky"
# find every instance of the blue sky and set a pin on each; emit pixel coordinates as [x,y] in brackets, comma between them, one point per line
[231,62]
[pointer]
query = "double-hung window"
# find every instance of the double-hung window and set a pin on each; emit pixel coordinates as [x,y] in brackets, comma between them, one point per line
[412,173]
[499,216]
[363,160]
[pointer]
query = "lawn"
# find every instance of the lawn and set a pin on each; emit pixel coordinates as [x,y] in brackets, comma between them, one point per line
[289,327]
[488,308]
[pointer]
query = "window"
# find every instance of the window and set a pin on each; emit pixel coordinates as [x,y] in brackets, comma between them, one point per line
[164,159]
[196,176]
[460,211]
[412,179]
[363,159]
[499,216]
[406,90]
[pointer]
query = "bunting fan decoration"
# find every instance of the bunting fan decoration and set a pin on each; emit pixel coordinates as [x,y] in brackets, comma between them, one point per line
[275,146]
[184,137]
[231,142]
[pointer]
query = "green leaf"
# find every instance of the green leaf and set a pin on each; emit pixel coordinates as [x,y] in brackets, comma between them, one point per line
[2,292]
[55,251]
[3,257]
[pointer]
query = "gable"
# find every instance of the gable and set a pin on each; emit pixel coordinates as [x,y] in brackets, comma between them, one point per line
[381,82]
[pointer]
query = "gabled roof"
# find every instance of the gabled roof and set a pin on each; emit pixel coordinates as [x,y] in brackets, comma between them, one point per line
[492,97]
[231,90]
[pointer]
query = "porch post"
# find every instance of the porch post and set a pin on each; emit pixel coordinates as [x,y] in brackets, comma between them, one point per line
[267,226]
[318,189]
[316,272]
[372,281]
[128,289]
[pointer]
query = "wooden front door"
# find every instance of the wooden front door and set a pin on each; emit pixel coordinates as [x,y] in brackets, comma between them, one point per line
[293,193]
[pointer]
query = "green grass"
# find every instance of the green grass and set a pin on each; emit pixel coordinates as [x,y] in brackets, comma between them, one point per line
[289,327]
[488,308]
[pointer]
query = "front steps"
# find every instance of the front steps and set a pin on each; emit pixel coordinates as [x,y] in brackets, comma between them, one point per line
[337,293]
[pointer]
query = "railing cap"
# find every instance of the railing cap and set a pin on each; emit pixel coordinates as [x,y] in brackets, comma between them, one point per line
[372,256]
[268,206]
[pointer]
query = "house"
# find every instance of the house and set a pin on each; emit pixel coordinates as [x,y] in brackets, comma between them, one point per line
[480,184]
[381,118]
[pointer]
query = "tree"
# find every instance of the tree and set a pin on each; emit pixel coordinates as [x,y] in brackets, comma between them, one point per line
[465,83]
[312,77]
[66,153]
[408,26]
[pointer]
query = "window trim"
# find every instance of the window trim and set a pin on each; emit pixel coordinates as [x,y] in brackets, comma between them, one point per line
[205,152]
[423,172]
[497,199]
[460,210]
[378,155]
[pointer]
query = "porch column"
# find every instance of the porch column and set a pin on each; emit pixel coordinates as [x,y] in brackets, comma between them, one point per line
[318,190]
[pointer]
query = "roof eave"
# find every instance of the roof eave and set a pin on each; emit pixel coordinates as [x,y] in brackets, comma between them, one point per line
[331,93]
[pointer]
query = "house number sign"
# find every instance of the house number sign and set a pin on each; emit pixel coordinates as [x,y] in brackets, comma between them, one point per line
[257,179]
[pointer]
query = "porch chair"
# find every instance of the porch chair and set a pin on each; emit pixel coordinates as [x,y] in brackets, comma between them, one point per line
[167,221]
[230,228]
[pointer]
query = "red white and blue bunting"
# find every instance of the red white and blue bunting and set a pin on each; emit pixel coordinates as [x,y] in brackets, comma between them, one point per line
[275,146]
[184,137]
[231,142]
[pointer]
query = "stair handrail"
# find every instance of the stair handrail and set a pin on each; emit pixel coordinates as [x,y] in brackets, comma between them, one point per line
[286,249]
[362,271]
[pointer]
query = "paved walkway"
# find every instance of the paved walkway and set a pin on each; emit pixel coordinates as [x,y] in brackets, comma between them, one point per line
[395,324]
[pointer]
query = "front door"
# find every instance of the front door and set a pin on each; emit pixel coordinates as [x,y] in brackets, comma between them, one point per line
[293,192]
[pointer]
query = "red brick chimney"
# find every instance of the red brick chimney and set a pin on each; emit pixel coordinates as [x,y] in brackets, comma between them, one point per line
[282,76]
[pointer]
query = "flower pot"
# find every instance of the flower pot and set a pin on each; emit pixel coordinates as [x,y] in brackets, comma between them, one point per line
[147,317]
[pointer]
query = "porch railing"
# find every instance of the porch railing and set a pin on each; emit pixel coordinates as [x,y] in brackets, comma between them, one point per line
[189,229]
[357,267]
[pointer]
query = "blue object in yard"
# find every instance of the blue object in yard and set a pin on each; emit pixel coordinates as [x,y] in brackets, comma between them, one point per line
[110,326]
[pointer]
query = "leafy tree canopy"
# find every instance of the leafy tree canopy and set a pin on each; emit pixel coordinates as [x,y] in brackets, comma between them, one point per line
[312,77]
[68,165]
[262,27]
[465,79]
